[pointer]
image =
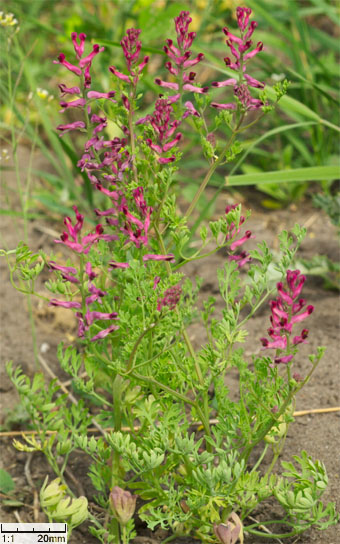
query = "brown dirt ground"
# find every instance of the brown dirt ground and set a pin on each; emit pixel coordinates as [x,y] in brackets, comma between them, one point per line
[316,433]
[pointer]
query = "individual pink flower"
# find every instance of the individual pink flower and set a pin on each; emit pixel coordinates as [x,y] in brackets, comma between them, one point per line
[156,281]
[67,272]
[152,257]
[96,94]
[79,103]
[104,333]
[64,304]
[62,60]
[68,90]
[76,125]
[93,315]
[115,264]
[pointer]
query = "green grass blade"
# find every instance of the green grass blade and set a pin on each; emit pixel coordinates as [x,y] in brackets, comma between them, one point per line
[313,173]
[269,134]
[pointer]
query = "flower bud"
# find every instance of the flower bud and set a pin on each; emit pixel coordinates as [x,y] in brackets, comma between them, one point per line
[231,531]
[184,506]
[123,504]
[52,494]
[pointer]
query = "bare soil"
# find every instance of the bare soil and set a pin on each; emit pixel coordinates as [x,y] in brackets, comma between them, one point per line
[318,433]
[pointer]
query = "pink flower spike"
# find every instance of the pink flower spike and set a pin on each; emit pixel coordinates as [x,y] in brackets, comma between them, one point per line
[77,125]
[118,74]
[225,83]
[64,304]
[87,60]
[104,333]
[153,257]
[78,48]
[95,94]
[71,67]
[284,360]
[115,264]
[242,17]
[68,90]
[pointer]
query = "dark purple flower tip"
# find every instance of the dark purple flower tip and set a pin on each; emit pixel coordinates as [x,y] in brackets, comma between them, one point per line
[284,360]
[297,377]
[264,342]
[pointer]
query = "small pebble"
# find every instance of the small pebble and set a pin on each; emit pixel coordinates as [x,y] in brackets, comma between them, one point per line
[44,347]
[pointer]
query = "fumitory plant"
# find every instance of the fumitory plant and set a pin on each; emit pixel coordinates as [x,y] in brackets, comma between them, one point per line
[171,432]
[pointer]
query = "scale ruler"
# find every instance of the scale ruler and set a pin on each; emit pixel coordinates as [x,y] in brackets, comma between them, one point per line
[33,533]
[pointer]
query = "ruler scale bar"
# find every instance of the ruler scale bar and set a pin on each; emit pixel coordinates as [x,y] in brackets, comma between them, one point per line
[33,533]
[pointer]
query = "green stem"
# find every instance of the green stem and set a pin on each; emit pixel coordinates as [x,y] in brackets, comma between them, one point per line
[132,135]
[212,169]
[131,360]
[117,400]
[260,459]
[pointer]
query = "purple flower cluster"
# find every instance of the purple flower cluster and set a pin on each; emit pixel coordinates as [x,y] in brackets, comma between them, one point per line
[131,46]
[82,70]
[170,298]
[180,58]
[233,230]
[94,295]
[239,48]
[287,311]
[71,238]
[164,129]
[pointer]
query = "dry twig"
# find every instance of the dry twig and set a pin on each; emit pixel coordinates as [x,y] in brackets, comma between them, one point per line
[95,429]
